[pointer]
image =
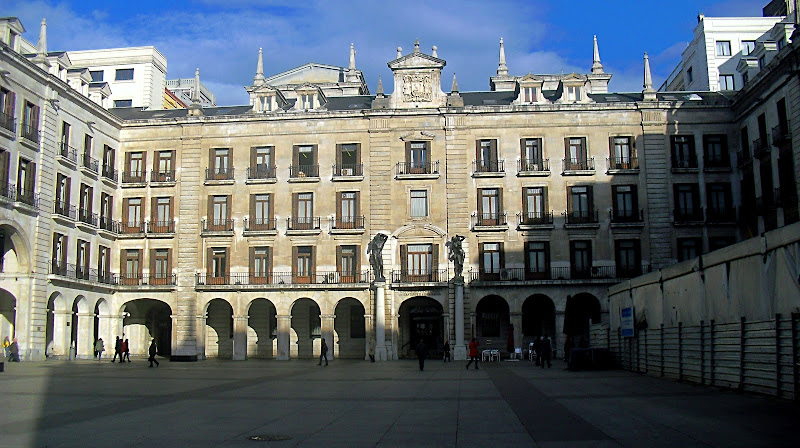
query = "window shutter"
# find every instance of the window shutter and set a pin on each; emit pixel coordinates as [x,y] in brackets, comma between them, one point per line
[169,264]
[478,152]
[339,259]
[527,256]
[314,155]
[500,208]
[525,192]
[35,120]
[210,218]
[228,211]
[338,158]
[211,160]
[357,261]
[547,254]
[635,199]
[569,199]
[171,209]
[152,264]
[408,152]
[271,199]
[522,151]
[252,261]
[590,194]
[480,256]
[494,156]
[123,263]
[611,153]
[294,261]
[404,260]
[210,261]
[125,205]
[295,157]
[252,211]
[313,269]
[30,178]
[566,150]
[3,167]
[9,106]
[253,153]
[227,262]
[295,206]
[502,257]
[268,267]
[435,261]
[144,165]
[358,204]
[154,211]
[358,157]
[545,201]
[480,203]
[338,205]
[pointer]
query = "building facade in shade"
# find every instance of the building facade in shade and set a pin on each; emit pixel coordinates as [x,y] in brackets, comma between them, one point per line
[253,231]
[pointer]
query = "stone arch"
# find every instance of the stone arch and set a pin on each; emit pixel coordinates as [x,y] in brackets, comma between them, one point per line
[538,318]
[420,318]
[492,322]
[219,329]
[15,246]
[8,314]
[102,322]
[144,320]
[582,310]
[79,330]
[349,328]
[56,330]
[262,329]
[306,329]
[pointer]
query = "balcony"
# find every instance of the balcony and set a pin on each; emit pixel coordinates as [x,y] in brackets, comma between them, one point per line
[87,217]
[261,174]
[626,218]
[27,197]
[65,210]
[416,170]
[684,165]
[260,225]
[688,216]
[743,158]
[489,221]
[550,275]
[721,215]
[8,123]
[218,226]
[164,177]
[109,173]
[283,279]
[781,134]
[622,165]
[760,148]
[347,172]
[82,273]
[219,175]
[164,279]
[345,223]
[134,178]
[131,228]
[304,173]
[419,276]
[303,223]
[581,219]
[533,168]
[718,165]
[535,220]
[109,225]
[578,167]
[7,191]
[488,168]
[90,164]
[161,227]
[29,133]
[68,154]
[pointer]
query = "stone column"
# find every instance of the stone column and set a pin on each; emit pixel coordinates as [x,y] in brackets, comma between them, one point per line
[85,336]
[240,338]
[558,343]
[516,321]
[380,321]
[473,332]
[105,330]
[459,347]
[173,337]
[368,331]
[284,325]
[61,333]
[326,328]
[200,335]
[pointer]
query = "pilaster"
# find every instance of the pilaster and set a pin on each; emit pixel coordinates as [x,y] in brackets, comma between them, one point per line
[284,324]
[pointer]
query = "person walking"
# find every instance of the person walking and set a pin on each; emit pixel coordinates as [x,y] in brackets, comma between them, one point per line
[422,352]
[547,351]
[372,349]
[126,351]
[537,349]
[13,351]
[6,345]
[323,353]
[446,349]
[473,353]
[117,350]
[99,348]
[153,350]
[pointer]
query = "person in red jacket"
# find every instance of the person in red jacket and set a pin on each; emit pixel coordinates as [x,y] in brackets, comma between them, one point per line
[473,353]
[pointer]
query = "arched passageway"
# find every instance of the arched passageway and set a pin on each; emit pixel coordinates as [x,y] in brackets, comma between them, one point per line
[57,335]
[538,318]
[219,329]
[582,310]
[306,331]
[492,323]
[420,318]
[13,250]
[144,320]
[262,330]
[8,314]
[349,329]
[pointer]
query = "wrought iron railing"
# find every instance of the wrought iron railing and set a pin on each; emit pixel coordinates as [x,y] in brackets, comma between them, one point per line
[303,223]
[109,173]
[87,217]
[28,197]
[261,172]
[535,218]
[688,214]
[156,226]
[488,166]
[622,163]
[533,166]
[8,122]
[345,170]
[219,173]
[489,219]
[218,225]
[259,224]
[131,227]
[29,132]
[404,168]
[300,171]
[65,210]
[721,214]
[81,273]
[162,176]
[284,278]
[760,147]
[133,177]
[743,158]
[90,163]
[684,162]
[626,216]
[148,279]
[781,133]
[347,222]
[419,276]
[109,225]
[581,216]
[578,164]
[68,153]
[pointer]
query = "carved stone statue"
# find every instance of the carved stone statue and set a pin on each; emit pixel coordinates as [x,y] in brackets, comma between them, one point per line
[375,251]
[456,254]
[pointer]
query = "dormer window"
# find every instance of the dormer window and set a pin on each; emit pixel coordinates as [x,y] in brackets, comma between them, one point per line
[530,94]
[306,101]
[266,103]
[574,93]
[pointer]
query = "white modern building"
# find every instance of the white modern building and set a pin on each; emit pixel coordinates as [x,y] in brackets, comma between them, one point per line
[183,88]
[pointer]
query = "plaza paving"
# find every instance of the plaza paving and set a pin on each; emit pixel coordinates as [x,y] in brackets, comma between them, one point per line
[361,404]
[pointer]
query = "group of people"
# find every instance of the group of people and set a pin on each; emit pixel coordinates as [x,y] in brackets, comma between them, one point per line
[542,347]
[12,349]
[123,351]
[543,350]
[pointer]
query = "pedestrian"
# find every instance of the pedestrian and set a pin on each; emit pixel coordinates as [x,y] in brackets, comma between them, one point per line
[153,351]
[99,348]
[473,353]
[372,349]
[13,351]
[537,350]
[126,351]
[447,351]
[6,345]
[422,352]
[323,353]
[117,350]
[547,351]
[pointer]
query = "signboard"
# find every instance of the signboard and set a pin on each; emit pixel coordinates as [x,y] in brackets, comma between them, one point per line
[627,322]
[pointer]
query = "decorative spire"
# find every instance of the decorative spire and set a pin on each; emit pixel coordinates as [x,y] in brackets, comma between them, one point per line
[416,45]
[597,67]
[380,87]
[259,79]
[42,44]
[399,52]
[196,109]
[502,68]
[648,92]
[352,57]
[454,89]
[433,51]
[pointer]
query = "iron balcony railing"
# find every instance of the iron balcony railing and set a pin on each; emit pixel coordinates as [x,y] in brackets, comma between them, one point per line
[581,217]
[684,162]
[162,176]
[720,214]
[284,278]
[345,170]
[578,164]
[489,219]
[626,216]
[533,166]
[29,132]
[68,153]
[347,222]
[488,166]
[303,223]
[8,122]
[7,191]
[722,162]
[109,173]
[109,225]
[148,279]
[259,224]
[133,177]
[218,225]
[90,163]
[156,226]
[131,227]
[403,168]
[81,273]
[760,147]
[87,217]
[419,276]
[261,172]
[622,163]
[781,133]
[65,210]
[535,218]
[219,173]
[300,171]
[28,197]
[550,273]
[683,214]
[743,158]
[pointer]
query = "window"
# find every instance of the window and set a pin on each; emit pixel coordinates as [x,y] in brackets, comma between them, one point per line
[574,93]
[163,167]
[719,202]
[628,257]
[97,75]
[576,157]
[123,103]
[534,206]
[219,213]
[261,212]
[314,322]
[419,203]
[626,203]
[218,266]
[5,160]
[581,258]
[63,187]
[124,74]
[689,248]
[417,160]
[531,157]
[748,46]
[26,181]
[220,159]
[530,94]
[689,75]
[30,122]
[347,263]
[486,157]
[621,154]
[723,48]
[303,264]
[132,216]
[160,267]
[726,82]
[135,167]
[687,202]
[781,43]
[489,207]
[347,211]
[260,265]
[87,198]
[537,260]
[491,260]
[683,154]
[745,78]
[348,160]
[418,262]
[7,109]
[161,221]
[305,161]
[82,260]
[130,266]
[762,61]
[104,264]
[266,103]
[59,253]
[108,162]
[261,163]
[65,128]
[580,205]
[715,150]
[106,210]
[306,101]
[304,211]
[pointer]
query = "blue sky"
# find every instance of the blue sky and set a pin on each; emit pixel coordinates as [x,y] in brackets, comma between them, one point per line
[222,37]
